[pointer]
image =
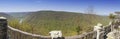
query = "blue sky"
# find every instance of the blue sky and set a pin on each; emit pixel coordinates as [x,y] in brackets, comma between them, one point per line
[101,7]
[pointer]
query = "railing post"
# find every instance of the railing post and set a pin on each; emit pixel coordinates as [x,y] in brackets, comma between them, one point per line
[98,28]
[3,28]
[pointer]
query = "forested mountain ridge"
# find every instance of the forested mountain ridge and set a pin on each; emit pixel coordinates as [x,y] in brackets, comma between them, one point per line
[46,21]
[9,17]
[18,15]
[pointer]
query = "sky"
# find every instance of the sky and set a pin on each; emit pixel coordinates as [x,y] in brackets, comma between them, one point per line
[100,7]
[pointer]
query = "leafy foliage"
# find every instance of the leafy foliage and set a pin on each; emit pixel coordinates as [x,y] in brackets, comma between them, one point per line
[111,16]
[78,29]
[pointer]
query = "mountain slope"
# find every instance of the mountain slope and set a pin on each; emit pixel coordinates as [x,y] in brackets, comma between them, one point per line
[6,15]
[46,21]
[18,15]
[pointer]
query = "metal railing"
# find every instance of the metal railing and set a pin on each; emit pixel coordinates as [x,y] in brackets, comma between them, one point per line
[92,34]
[18,34]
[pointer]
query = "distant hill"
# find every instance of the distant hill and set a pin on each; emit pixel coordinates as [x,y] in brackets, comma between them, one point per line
[9,17]
[18,15]
[46,21]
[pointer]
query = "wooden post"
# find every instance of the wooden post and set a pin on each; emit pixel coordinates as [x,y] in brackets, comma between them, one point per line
[3,28]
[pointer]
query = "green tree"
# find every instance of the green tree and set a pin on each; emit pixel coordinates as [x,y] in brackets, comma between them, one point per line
[111,16]
[78,29]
